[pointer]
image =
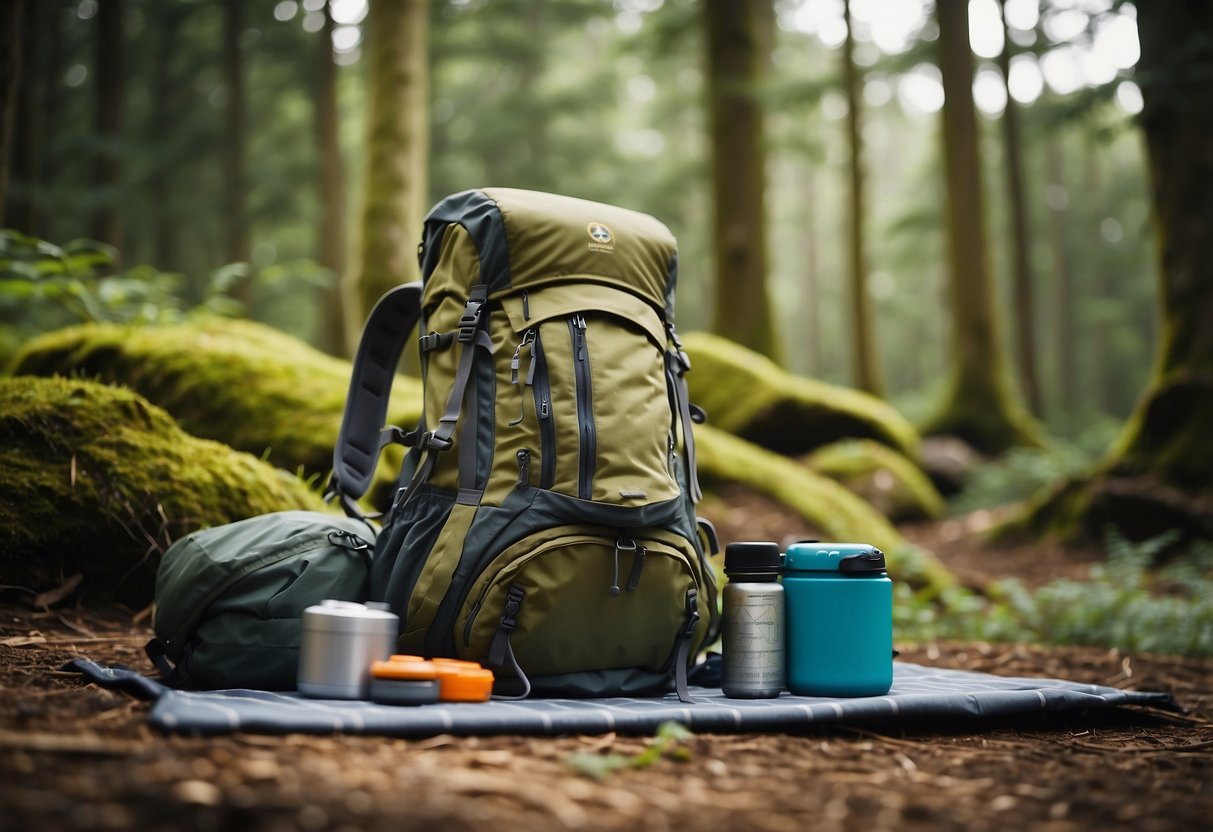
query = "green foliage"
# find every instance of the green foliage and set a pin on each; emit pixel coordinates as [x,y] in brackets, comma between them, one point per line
[665,744]
[1022,471]
[1124,604]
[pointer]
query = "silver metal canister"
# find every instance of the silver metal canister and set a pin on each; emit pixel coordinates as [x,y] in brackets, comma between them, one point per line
[753,627]
[340,641]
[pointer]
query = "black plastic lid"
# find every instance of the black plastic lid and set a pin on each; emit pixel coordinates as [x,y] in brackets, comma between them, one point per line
[759,560]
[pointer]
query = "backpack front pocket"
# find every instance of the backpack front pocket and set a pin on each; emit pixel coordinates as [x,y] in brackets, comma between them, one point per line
[585,599]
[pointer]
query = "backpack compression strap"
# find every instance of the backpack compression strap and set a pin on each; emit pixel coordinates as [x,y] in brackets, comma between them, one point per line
[362,434]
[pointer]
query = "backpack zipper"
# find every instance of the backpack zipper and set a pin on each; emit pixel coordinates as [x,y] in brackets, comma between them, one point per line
[537,377]
[585,408]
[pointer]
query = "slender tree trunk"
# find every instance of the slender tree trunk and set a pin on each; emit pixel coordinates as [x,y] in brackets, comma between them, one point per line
[12,14]
[811,296]
[331,236]
[110,103]
[23,139]
[866,364]
[980,406]
[1104,378]
[164,111]
[738,46]
[1065,339]
[237,248]
[397,141]
[1021,269]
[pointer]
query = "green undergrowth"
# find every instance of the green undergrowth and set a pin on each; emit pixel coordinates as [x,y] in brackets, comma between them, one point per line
[1126,603]
[669,742]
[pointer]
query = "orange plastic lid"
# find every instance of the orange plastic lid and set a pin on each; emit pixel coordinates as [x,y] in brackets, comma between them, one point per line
[464,682]
[411,667]
[398,657]
[464,663]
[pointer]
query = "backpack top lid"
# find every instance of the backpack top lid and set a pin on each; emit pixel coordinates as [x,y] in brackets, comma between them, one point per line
[514,240]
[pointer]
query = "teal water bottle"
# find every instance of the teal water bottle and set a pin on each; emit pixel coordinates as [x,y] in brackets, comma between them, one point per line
[839,620]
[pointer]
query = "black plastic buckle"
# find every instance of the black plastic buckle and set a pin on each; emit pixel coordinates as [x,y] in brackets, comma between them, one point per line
[434,341]
[692,609]
[430,440]
[470,320]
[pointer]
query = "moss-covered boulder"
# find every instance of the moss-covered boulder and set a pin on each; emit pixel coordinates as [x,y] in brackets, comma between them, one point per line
[97,480]
[891,483]
[749,395]
[825,505]
[242,383]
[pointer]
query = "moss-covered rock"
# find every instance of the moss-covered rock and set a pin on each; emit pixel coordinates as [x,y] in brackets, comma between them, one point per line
[99,481]
[245,384]
[749,395]
[886,479]
[827,506]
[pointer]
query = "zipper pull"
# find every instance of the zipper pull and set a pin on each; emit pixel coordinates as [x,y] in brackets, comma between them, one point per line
[625,544]
[544,410]
[524,466]
[579,325]
[637,568]
[514,362]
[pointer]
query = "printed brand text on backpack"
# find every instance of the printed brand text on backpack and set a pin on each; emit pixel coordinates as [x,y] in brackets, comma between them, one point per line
[544,518]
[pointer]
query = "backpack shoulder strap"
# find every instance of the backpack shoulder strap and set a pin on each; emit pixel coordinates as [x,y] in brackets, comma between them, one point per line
[362,434]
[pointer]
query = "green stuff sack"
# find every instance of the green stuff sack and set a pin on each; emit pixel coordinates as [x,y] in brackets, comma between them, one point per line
[230,599]
[544,519]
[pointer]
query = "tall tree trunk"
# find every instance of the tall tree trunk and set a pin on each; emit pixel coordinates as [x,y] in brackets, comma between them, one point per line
[331,234]
[20,134]
[397,141]
[865,361]
[237,248]
[980,406]
[1065,341]
[811,296]
[1099,292]
[1169,435]
[1021,269]
[12,14]
[165,110]
[110,103]
[738,51]
[1157,475]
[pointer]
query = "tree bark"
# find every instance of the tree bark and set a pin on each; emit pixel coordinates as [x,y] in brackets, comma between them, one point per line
[12,14]
[397,141]
[866,364]
[1170,435]
[110,104]
[738,51]
[237,247]
[1157,475]
[1065,340]
[980,405]
[1021,268]
[164,111]
[331,234]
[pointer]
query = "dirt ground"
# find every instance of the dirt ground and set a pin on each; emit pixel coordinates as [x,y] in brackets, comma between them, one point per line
[73,756]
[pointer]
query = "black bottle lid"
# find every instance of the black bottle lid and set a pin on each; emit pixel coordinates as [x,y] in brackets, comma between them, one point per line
[753,560]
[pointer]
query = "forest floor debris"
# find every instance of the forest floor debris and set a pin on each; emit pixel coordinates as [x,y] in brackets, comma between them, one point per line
[74,756]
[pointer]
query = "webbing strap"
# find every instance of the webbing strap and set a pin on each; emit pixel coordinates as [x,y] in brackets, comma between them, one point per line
[360,439]
[683,656]
[676,369]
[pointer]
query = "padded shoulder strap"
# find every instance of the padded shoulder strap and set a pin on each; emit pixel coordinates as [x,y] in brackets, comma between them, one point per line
[361,439]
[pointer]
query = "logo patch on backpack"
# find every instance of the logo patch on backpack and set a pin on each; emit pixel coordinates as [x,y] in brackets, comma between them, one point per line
[601,238]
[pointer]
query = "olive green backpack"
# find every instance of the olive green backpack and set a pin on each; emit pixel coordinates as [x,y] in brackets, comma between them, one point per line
[544,519]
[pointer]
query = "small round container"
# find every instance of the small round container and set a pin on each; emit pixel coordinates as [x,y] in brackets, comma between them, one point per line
[404,680]
[340,641]
[840,620]
[463,681]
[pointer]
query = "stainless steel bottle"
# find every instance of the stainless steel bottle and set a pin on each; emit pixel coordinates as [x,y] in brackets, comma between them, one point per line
[753,632]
